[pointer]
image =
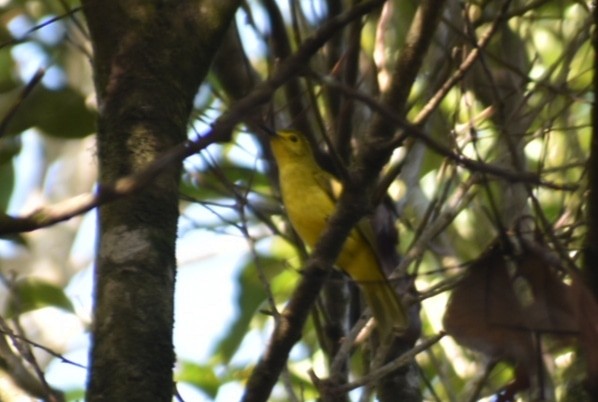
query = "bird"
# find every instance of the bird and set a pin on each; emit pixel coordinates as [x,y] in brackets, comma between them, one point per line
[309,195]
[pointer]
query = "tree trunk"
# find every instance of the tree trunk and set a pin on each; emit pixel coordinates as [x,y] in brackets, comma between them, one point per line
[149,59]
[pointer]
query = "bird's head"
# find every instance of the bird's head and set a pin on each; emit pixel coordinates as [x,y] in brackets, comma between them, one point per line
[289,144]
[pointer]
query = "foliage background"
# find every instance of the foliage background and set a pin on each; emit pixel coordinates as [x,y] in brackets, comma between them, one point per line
[524,106]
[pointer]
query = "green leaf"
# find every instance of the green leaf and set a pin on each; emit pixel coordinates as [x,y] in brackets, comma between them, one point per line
[250,297]
[206,185]
[200,376]
[60,113]
[7,79]
[75,395]
[7,178]
[9,148]
[30,294]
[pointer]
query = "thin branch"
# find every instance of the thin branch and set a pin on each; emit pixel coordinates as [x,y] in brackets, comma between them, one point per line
[42,347]
[352,206]
[463,68]
[458,201]
[22,37]
[221,132]
[281,50]
[15,358]
[12,111]
[408,65]
[69,208]
[441,149]
[344,351]
[388,368]
[478,383]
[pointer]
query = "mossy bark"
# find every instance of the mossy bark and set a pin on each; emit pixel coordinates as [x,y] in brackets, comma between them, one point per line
[149,59]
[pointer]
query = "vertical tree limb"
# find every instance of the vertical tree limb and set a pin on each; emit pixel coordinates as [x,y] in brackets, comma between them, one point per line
[405,71]
[149,59]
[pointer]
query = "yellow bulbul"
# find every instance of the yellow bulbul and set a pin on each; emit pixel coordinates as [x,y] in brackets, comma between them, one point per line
[309,200]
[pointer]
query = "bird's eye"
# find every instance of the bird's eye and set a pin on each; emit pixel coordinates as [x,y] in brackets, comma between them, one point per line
[293,138]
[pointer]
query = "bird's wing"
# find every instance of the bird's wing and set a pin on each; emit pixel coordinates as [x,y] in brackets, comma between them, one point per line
[365,229]
[333,188]
[329,184]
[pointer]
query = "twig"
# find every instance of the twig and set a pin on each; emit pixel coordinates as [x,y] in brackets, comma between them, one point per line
[342,355]
[463,68]
[42,347]
[402,360]
[353,205]
[69,13]
[36,79]
[24,348]
[441,149]
[34,384]
[69,208]
[220,132]
[458,201]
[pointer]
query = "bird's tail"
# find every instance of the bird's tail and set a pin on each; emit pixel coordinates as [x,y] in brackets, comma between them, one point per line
[387,309]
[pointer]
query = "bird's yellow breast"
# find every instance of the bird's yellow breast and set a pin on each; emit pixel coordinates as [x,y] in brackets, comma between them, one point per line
[308,193]
[307,204]
[310,201]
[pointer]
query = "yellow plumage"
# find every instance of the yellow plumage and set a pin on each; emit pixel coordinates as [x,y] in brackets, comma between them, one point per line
[309,199]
